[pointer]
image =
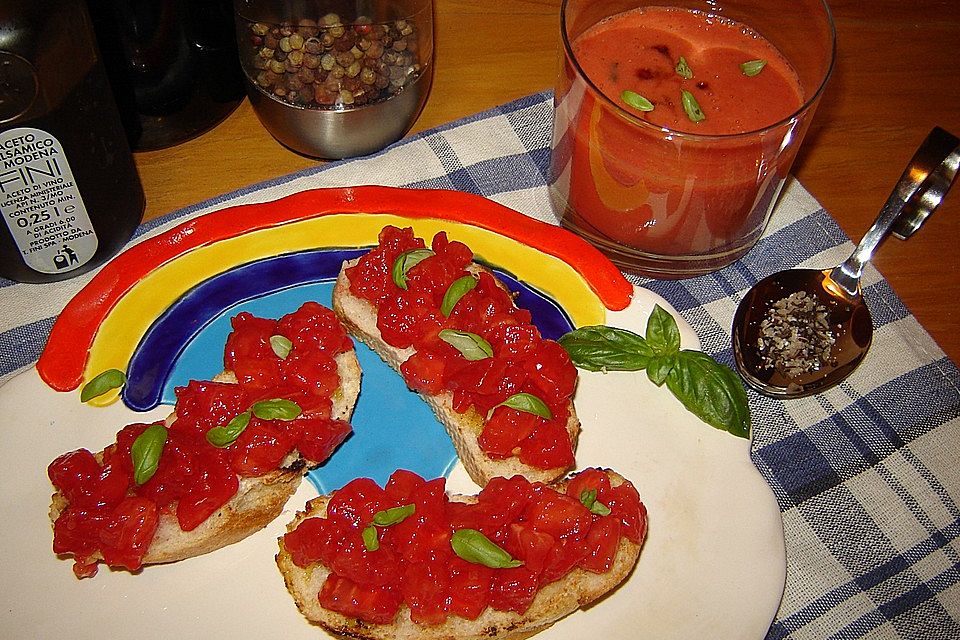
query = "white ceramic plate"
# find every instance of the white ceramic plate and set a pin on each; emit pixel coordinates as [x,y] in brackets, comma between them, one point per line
[713,564]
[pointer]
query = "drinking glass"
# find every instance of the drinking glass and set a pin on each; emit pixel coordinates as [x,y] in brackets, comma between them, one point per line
[667,203]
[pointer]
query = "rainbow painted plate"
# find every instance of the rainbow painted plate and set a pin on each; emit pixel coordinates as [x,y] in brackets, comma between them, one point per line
[713,564]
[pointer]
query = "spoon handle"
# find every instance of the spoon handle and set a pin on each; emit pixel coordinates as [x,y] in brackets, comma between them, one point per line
[918,193]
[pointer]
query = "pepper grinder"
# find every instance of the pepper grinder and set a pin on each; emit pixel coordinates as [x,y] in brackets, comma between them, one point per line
[70,196]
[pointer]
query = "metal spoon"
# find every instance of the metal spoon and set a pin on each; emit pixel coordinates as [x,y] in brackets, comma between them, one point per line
[812,357]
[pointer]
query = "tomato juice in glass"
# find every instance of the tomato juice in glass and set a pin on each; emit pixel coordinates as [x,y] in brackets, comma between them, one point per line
[669,191]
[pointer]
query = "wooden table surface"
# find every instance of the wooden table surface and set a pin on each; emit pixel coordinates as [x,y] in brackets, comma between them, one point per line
[895,78]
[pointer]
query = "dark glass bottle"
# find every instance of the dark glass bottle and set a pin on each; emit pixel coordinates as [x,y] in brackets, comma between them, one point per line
[70,196]
[173,65]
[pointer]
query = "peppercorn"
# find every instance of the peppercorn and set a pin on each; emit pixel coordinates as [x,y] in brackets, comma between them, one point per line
[795,336]
[327,63]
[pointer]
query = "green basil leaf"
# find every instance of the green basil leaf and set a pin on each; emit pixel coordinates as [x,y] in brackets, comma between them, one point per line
[588,498]
[457,289]
[663,334]
[276,409]
[406,261]
[473,546]
[526,402]
[370,539]
[145,452]
[601,348]
[683,69]
[225,435]
[691,106]
[393,515]
[102,383]
[711,391]
[281,346]
[636,101]
[659,368]
[470,345]
[751,68]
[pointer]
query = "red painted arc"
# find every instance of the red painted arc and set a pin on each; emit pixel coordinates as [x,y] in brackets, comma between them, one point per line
[61,365]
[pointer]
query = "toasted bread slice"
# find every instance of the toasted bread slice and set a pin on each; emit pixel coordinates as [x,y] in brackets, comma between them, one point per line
[553,601]
[360,319]
[258,501]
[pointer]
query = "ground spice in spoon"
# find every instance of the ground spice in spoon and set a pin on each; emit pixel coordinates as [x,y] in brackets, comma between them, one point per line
[795,335]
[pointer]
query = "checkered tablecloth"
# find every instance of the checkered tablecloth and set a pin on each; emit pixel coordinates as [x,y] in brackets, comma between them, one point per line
[867,474]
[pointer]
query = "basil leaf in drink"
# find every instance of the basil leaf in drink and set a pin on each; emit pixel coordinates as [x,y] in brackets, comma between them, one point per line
[691,106]
[470,345]
[146,451]
[225,435]
[602,348]
[751,68]
[276,409]
[683,69]
[370,539]
[526,402]
[406,261]
[473,546]
[102,383]
[457,289]
[711,391]
[635,100]
[663,334]
[393,515]
[588,498]
[281,346]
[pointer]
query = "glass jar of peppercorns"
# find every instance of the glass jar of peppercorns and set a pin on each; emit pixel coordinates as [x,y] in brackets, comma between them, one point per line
[336,79]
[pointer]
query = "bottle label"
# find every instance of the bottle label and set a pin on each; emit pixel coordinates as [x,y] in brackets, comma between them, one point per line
[41,204]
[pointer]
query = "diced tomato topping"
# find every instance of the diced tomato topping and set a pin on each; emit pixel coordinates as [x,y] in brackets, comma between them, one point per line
[423,372]
[469,588]
[424,586]
[548,446]
[211,487]
[357,501]
[513,589]
[522,361]
[624,502]
[504,431]
[374,604]
[559,515]
[319,437]
[549,533]
[260,448]
[590,480]
[313,372]
[85,482]
[309,541]
[314,328]
[601,545]
[527,542]
[349,557]
[110,515]
[204,405]
[403,485]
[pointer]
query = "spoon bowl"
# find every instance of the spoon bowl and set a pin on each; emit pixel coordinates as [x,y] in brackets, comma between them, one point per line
[800,331]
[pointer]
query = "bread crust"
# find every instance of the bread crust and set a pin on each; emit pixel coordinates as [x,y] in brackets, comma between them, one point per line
[360,319]
[258,500]
[552,602]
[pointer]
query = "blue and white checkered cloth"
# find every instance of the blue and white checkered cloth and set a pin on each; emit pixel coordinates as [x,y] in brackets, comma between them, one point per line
[867,474]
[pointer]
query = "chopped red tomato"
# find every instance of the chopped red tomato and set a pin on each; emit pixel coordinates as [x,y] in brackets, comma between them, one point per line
[544,534]
[522,361]
[112,516]
[374,604]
